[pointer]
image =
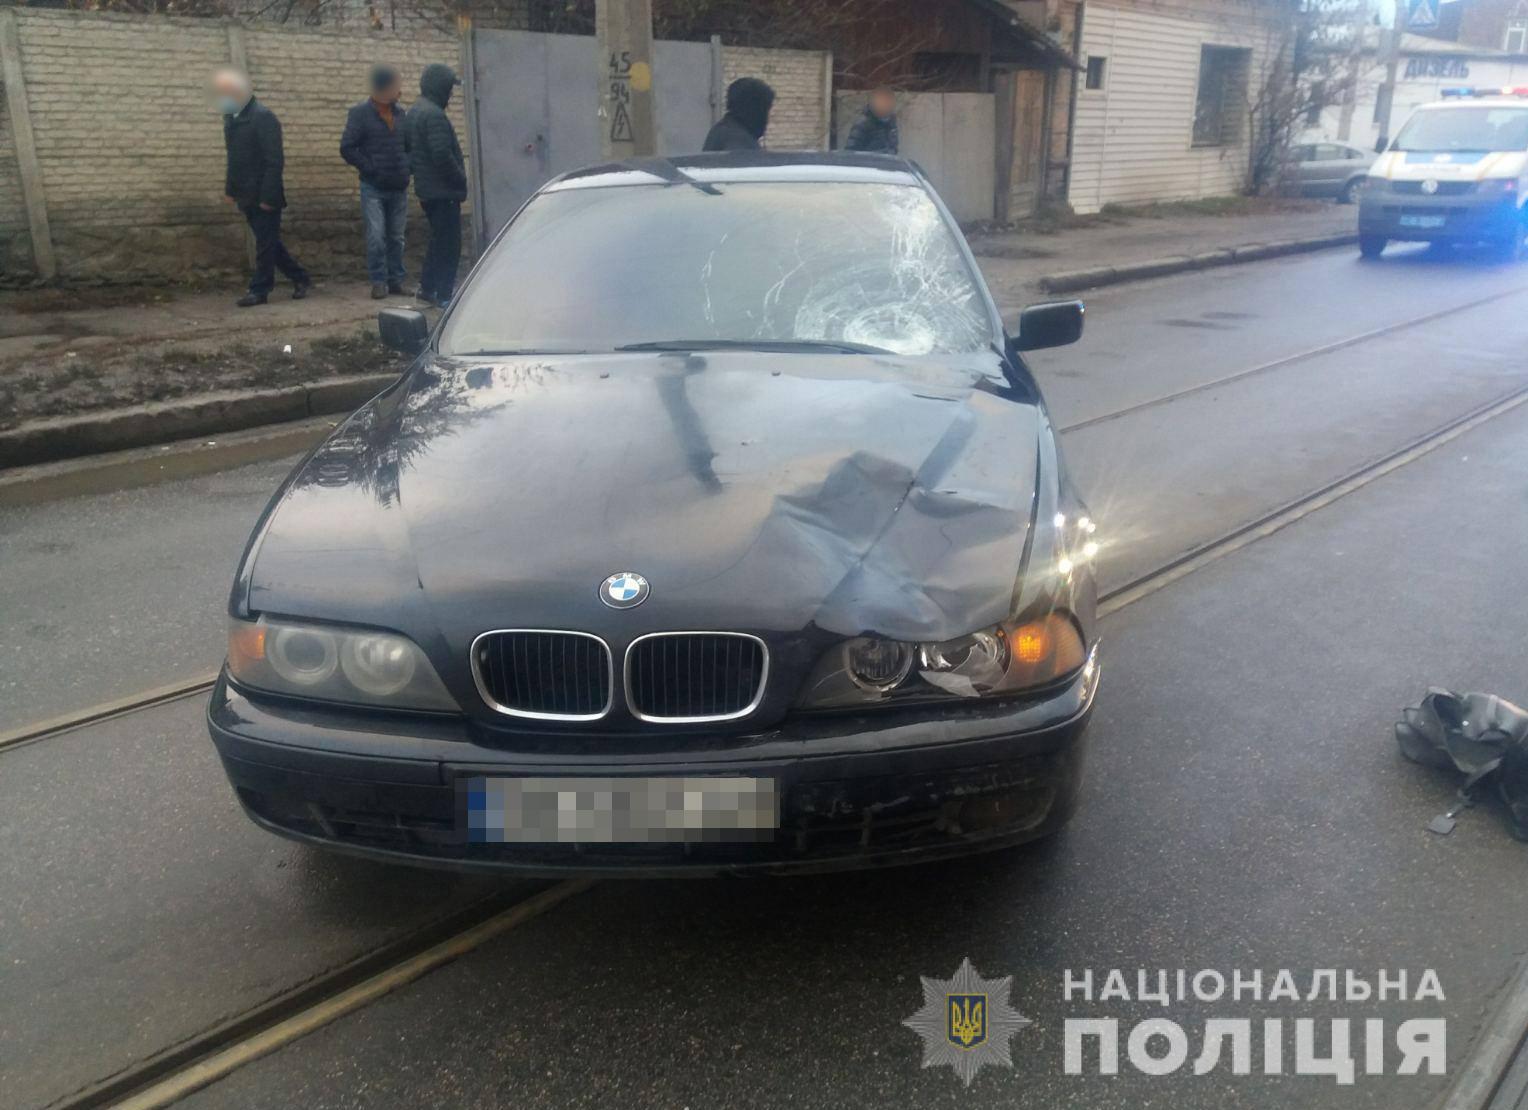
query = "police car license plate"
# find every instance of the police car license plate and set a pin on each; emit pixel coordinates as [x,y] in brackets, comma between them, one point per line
[586,810]
[1422,221]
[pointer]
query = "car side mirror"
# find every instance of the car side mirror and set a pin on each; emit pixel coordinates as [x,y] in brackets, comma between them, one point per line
[1054,324]
[403,329]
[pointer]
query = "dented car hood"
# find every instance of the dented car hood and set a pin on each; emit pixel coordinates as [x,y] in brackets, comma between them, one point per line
[755,491]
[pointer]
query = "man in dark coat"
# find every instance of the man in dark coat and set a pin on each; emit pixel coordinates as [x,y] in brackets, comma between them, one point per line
[373,144]
[440,181]
[876,128]
[748,103]
[252,135]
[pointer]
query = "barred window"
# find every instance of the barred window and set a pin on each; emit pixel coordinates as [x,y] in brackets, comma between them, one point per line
[1222,96]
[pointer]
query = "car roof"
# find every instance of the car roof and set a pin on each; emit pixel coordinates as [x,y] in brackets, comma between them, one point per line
[752,165]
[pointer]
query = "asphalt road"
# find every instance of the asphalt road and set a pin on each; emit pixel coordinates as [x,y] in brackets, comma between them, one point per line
[1245,808]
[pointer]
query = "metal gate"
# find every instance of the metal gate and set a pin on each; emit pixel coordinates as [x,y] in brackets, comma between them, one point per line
[952,136]
[533,111]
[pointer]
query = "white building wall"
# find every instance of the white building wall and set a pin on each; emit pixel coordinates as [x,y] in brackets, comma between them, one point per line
[1132,140]
[1431,74]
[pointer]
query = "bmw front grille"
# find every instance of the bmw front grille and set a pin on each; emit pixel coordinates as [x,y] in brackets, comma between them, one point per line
[544,675]
[692,677]
[669,677]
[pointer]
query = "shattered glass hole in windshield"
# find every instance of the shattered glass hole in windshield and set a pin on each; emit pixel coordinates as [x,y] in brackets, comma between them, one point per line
[917,300]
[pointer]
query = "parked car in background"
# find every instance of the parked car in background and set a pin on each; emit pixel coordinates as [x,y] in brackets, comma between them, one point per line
[1327,170]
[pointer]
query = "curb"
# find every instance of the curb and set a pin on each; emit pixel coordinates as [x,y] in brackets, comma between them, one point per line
[1494,1075]
[1073,280]
[147,466]
[71,437]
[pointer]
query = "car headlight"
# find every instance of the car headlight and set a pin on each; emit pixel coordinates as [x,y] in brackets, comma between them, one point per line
[1007,659]
[1498,186]
[334,663]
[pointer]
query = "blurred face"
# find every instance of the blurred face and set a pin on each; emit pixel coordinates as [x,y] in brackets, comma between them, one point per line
[390,92]
[230,89]
[883,102]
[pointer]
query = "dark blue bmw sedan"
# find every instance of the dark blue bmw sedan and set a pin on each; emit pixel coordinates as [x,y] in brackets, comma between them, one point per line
[717,527]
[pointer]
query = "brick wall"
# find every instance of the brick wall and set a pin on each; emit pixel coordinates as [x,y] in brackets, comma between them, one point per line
[310,80]
[799,119]
[131,153]
[1484,22]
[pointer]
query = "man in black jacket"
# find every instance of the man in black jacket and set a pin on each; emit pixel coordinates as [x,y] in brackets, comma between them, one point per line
[373,144]
[252,135]
[748,103]
[876,128]
[440,181]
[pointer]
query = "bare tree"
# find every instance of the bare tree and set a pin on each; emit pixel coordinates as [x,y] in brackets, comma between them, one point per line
[1310,62]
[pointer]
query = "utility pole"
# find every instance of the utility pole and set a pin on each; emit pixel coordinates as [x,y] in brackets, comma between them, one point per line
[1392,72]
[624,31]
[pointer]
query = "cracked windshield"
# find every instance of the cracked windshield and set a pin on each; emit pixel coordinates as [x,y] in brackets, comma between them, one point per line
[706,554]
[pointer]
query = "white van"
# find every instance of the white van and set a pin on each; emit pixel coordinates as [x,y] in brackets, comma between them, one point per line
[1454,174]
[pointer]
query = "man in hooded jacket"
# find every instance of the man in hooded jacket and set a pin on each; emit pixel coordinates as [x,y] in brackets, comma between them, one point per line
[440,181]
[748,103]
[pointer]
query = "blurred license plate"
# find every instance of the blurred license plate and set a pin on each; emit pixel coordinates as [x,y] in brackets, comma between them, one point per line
[585,810]
[1422,221]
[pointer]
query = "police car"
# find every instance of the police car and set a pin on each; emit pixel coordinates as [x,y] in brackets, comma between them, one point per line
[1456,173]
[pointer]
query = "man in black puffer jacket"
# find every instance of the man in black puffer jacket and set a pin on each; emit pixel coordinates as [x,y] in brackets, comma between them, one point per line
[748,103]
[252,135]
[373,144]
[440,181]
[876,129]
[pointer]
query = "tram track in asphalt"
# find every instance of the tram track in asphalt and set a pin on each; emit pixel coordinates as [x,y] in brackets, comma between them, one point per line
[332,994]
[1290,360]
[201,1060]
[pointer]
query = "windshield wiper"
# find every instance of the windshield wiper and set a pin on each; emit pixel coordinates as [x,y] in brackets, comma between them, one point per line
[670,173]
[516,352]
[756,345]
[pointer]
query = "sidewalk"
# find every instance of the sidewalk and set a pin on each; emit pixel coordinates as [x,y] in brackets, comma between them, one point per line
[37,324]
[1014,262]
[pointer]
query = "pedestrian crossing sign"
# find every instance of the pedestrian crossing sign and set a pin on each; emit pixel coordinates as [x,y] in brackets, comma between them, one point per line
[1422,15]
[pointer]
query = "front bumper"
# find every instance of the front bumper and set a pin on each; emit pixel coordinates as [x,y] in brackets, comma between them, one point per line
[856,790]
[1417,217]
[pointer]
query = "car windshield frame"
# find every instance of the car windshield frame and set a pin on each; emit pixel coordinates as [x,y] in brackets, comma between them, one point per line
[1434,118]
[916,216]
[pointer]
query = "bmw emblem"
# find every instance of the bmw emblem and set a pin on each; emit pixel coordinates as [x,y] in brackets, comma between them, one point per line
[1430,186]
[624,590]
